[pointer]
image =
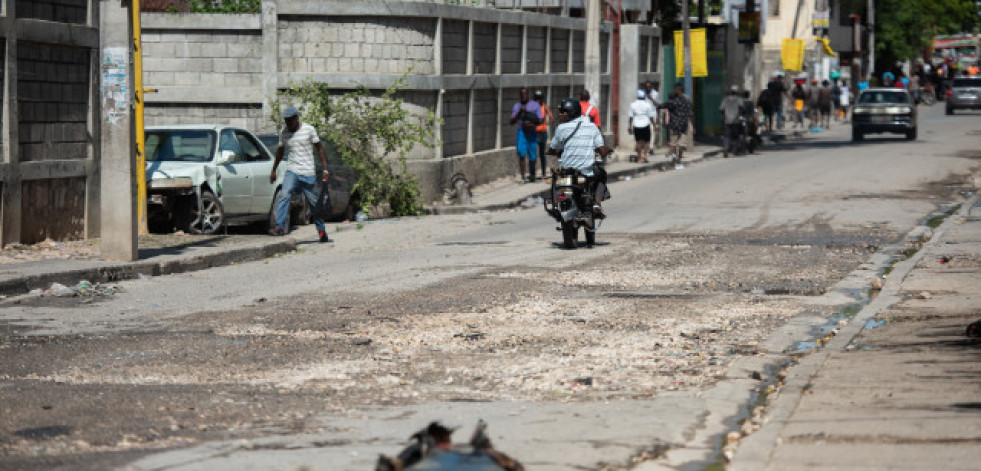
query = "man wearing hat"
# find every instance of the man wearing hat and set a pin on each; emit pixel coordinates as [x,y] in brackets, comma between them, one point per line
[730,107]
[642,115]
[300,139]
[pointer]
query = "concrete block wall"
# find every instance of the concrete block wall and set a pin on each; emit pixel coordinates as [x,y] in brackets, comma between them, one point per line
[49,144]
[463,63]
[484,115]
[61,11]
[53,98]
[375,44]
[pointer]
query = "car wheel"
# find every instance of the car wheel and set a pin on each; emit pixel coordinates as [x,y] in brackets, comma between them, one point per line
[911,135]
[208,219]
[857,135]
[271,222]
[950,110]
[353,206]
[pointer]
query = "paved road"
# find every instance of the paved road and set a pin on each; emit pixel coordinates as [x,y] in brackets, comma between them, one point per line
[802,220]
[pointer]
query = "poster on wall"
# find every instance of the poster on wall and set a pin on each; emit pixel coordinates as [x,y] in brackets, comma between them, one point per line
[792,54]
[699,58]
[115,83]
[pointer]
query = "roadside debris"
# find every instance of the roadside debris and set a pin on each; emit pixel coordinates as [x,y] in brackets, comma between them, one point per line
[974,329]
[83,288]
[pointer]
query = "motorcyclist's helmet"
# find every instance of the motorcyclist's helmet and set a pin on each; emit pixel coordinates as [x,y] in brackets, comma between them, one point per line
[570,107]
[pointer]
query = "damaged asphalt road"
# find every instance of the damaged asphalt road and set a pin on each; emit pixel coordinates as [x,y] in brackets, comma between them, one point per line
[603,358]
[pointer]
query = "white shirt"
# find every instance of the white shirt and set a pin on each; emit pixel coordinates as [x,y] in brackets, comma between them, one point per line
[642,112]
[298,147]
[655,97]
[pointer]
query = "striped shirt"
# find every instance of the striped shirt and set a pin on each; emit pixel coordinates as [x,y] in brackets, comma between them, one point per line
[579,152]
[299,149]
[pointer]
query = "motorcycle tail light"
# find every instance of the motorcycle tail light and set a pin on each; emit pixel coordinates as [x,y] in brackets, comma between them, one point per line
[949,93]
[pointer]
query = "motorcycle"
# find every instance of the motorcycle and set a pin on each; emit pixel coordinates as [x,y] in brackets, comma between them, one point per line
[571,204]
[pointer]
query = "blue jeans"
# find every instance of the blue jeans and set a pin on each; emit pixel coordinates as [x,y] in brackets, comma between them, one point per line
[291,184]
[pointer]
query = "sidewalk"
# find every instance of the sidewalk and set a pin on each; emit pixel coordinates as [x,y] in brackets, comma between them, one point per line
[507,193]
[900,386]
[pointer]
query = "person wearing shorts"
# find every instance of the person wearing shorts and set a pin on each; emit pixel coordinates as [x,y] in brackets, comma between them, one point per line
[642,116]
[527,115]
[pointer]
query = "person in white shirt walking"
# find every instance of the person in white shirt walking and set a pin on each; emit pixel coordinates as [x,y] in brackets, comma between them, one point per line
[300,139]
[642,114]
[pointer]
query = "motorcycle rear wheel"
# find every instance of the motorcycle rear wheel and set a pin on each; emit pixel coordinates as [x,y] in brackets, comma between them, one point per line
[570,235]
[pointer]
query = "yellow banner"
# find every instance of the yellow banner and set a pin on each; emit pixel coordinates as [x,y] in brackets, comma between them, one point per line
[699,58]
[792,54]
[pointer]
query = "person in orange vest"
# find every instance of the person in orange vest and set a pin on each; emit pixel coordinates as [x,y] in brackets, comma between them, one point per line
[545,113]
[588,110]
[972,70]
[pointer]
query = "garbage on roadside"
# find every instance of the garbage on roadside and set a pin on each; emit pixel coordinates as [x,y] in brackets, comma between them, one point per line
[532,201]
[433,450]
[873,324]
[83,288]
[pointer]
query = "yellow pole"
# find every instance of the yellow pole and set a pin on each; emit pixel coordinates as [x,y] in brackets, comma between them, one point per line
[140,138]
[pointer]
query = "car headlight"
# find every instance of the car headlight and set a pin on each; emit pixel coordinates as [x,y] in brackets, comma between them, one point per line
[860,110]
[899,110]
[169,183]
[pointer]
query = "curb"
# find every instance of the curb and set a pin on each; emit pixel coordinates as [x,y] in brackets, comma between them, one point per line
[613,176]
[118,271]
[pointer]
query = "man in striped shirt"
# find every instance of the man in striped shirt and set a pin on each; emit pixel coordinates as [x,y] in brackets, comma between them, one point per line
[577,141]
[300,139]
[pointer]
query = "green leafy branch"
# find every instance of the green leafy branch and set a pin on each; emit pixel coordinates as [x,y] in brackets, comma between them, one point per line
[372,135]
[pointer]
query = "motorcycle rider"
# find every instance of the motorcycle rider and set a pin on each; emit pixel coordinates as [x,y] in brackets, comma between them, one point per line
[576,142]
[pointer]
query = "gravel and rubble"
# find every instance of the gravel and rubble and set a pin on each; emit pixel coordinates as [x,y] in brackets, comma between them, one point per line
[663,313]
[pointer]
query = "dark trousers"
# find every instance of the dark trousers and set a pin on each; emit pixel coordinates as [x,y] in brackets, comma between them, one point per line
[542,142]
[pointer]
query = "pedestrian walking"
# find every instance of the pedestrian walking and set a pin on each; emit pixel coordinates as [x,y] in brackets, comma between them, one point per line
[846,99]
[826,103]
[748,112]
[642,116]
[589,111]
[730,107]
[300,140]
[525,113]
[765,104]
[545,113]
[813,106]
[799,96]
[678,119]
[650,88]
[777,93]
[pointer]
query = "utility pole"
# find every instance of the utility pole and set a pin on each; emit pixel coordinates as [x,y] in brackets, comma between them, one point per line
[686,34]
[591,64]
[871,16]
[118,190]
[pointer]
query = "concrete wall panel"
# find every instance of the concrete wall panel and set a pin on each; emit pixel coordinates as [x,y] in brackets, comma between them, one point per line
[62,11]
[511,49]
[484,48]
[57,209]
[455,44]
[537,49]
[560,51]
[456,106]
[485,115]
[52,92]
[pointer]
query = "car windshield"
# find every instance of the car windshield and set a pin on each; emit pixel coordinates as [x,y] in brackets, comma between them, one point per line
[180,145]
[967,82]
[883,97]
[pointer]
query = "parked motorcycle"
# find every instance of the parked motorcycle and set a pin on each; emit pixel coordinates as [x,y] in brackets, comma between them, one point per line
[571,204]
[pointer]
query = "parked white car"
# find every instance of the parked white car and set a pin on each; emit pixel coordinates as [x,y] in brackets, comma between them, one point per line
[203,177]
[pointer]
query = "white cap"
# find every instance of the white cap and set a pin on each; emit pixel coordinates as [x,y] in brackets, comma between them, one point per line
[641,94]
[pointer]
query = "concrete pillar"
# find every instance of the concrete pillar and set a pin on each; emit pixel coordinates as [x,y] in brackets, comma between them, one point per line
[270,57]
[118,177]
[594,14]
[630,67]
[10,175]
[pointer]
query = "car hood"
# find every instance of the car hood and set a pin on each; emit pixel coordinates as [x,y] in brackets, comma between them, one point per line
[198,172]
